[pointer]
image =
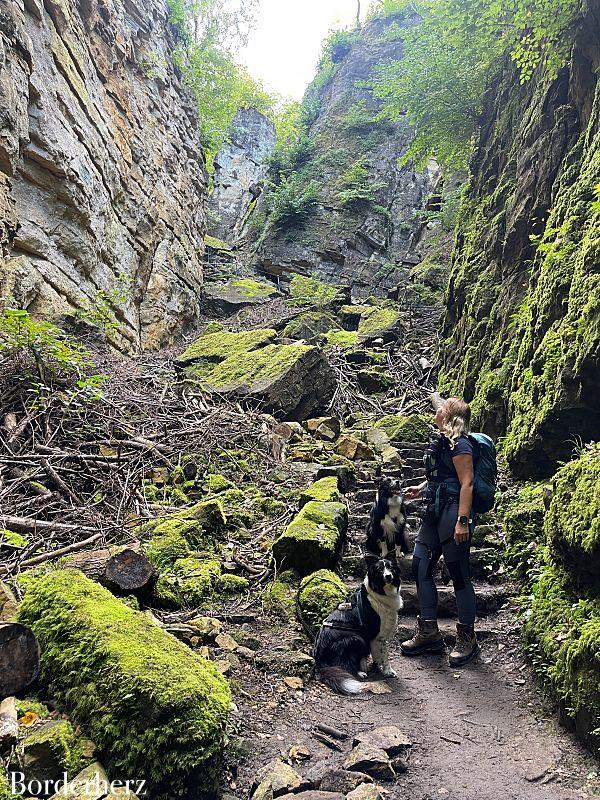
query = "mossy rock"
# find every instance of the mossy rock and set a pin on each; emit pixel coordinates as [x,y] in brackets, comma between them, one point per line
[562,634]
[224,299]
[280,596]
[29,705]
[320,593]
[572,524]
[522,515]
[214,483]
[325,490]
[54,748]
[309,325]
[343,339]
[313,538]
[136,691]
[292,379]
[371,322]
[406,427]
[191,529]
[188,582]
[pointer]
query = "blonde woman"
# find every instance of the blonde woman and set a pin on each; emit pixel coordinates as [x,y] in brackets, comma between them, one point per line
[446,530]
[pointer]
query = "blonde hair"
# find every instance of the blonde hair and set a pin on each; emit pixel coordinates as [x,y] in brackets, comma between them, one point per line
[457,416]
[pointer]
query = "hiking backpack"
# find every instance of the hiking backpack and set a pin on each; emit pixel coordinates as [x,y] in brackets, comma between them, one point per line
[486,472]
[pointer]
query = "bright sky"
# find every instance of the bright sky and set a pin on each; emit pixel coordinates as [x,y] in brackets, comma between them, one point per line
[285,45]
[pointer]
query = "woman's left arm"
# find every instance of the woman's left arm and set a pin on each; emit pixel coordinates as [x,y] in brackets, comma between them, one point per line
[464,469]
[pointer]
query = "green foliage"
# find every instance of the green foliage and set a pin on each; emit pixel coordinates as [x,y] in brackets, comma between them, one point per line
[357,187]
[99,312]
[210,33]
[44,358]
[450,57]
[310,291]
[291,202]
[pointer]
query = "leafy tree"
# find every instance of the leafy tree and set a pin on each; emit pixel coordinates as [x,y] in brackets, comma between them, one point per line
[450,57]
[210,33]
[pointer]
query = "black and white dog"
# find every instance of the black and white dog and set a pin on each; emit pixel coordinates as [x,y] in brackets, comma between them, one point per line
[386,529]
[363,627]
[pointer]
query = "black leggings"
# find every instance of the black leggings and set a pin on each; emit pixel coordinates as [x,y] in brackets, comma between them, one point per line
[436,538]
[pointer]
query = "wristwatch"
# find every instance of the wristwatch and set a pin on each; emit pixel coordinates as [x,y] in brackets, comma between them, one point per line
[464,520]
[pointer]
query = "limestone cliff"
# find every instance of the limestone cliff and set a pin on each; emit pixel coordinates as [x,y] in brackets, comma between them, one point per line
[368,244]
[102,179]
[240,173]
[522,326]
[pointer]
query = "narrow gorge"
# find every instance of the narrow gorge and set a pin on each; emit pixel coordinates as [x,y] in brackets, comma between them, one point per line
[222,318]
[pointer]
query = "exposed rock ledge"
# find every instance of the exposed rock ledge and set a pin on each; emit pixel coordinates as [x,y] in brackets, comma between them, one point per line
[101,172]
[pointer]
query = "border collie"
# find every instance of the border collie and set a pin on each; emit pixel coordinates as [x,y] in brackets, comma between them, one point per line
[363,627]
[386,529]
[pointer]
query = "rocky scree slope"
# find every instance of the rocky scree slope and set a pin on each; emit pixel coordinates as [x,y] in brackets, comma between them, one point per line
[102,180]
[367,244]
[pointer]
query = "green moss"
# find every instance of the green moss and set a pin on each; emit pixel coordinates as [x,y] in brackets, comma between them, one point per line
[251,370]
[320,594]
[310,291]
[375,319]
[572,524]
[324,490]
[12,538]
[562,633]
[251,288]
[343,339]
[522,515]
[218,346]
[215,483]
[313,538]
[57,742]
[405,428]
[192,528]
[189,582]
[279,598]
[233,584]
[137,691]
[310,324]
[217,244]
[29,704]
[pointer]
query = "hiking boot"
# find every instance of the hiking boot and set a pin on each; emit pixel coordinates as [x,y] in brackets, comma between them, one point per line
[427,639]
[466,647]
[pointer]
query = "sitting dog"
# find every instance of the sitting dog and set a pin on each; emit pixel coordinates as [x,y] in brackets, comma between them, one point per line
[363,627]
[386,529]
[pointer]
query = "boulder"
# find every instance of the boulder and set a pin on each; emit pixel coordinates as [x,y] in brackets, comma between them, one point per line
[284,661]
[352,448]
[327,428]
[224,299]
[388,738]
[310,324]
[280,778]
[320,593]
[405,427]
[313,538]
[343,781]
[54,748]
[325,490]
[374,380]
[346,475]
[372,760]
[294,380]
[365,791]
[372,322]
[112,668]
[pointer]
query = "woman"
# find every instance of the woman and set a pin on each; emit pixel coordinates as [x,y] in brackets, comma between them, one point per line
[446,530]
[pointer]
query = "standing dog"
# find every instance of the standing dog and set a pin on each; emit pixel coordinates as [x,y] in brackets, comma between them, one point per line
[386,529]
[350,634]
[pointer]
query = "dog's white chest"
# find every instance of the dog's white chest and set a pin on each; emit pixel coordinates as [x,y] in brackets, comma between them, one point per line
[394,517]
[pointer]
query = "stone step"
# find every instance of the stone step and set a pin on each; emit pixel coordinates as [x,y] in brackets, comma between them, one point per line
[401,445]
[367,485]
[416,463]
[364,496]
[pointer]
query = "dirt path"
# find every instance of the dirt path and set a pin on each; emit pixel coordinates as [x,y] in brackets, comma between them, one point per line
[478,734]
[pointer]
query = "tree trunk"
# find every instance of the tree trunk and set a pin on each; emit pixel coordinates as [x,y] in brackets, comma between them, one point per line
[19,658]
[9,727]
[128,572]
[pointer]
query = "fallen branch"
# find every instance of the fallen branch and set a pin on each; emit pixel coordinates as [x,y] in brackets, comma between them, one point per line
[62,551]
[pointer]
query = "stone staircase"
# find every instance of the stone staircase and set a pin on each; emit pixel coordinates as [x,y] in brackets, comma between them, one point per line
[489,597]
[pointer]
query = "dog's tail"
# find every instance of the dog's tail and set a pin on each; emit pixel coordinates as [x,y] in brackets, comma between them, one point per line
[340,680]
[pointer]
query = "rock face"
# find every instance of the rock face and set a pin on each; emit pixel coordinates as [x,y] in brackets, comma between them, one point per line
[522,333]
[240,173]
[101,175]
[367,245]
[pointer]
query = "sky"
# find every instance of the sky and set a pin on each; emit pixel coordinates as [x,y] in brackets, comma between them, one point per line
[285,45]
